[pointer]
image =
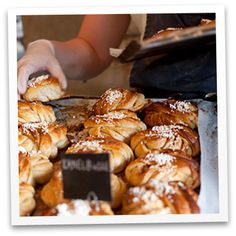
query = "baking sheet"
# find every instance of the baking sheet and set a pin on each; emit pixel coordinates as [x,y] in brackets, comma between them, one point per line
[208,200]
[72,111]
[207,128]
[185,39]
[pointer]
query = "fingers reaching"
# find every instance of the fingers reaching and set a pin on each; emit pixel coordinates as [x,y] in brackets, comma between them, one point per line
[57,72]
[22,78]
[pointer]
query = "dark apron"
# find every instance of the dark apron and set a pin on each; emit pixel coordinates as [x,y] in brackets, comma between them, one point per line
[188,73]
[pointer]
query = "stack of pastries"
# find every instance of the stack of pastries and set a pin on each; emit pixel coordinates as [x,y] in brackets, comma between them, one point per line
[166,155]
[153,152]
[39,139]
[114,115]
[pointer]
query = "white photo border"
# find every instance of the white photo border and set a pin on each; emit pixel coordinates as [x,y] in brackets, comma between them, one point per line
[222,216]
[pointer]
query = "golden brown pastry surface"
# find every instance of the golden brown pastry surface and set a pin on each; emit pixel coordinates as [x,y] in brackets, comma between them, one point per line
[119,99]
[26,199]
[171,112]
[43,88]
[35,112]
[34,168]
[41,168]
[160,198]
[46,138]
[25,169]
[163,166]
[120,153]
[174,137]
[118,189]
[52,192]
[120,125]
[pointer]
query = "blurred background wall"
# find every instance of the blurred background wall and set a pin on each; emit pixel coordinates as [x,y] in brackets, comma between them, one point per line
[65,27]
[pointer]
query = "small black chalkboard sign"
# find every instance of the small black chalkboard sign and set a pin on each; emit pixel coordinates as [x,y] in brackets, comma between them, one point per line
[84,174]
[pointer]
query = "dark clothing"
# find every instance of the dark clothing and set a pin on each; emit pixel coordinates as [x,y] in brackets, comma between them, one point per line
[190,72]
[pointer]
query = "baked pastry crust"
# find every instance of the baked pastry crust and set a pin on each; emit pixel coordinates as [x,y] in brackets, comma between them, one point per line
[164,166]
[171,112]
[46,138]
[43,88]
[35,112]
[119,99]
[25,169]
[120,153]
[173,137]
[34,168]
[26,199]
[52,192]
[160,198]
[118,189]
[41,168]
[120,125]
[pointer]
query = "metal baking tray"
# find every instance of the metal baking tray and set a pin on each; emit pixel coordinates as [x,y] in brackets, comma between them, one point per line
[185,39]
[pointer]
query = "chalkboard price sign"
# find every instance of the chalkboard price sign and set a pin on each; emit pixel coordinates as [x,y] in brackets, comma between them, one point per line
[86,173]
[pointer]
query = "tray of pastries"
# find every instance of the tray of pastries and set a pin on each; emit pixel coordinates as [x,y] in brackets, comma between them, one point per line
[154,146]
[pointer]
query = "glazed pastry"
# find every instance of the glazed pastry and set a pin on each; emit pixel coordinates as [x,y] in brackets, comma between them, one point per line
[41,168]
[119,99]
[34,168]
[160,198]
[35,112]
[25,169]
[163,166]
[33,143]
[43,88]
[26,199]
[52,192]
[120,153]
[46,138]
[174,137]
[118,189]
[120,125]
[171,112]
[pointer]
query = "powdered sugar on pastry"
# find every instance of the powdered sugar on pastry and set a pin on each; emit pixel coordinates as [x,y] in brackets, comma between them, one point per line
[32,127]
[109,117]
[166,131]
[32,82]
[112,95]
[161,188]
[159,158]
[181,106]
[89,145]
[142,194]
[78,208]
